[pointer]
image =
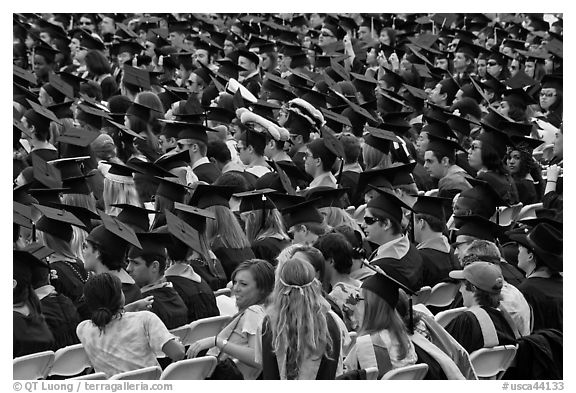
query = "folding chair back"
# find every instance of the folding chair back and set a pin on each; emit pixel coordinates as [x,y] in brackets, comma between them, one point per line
[414,372]
[491,363]
[145,374]
[33,366]
[444,317]
[70,360]
[422,296]
[206,327]
[443,294]
[190,369]
[226,305]
[371,373]
[94,377]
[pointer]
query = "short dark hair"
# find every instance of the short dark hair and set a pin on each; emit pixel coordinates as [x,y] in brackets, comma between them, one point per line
[396,227]
[97,63]
[150,258]
[441,153]
[337,247]
[106,258]
[218,150]
[435,224]
[352,148]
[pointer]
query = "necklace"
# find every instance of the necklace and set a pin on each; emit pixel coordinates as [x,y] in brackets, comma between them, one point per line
[75,270]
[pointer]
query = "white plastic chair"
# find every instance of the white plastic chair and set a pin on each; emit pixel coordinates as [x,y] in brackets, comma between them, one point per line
[145,374]
[190,369]
[422,295]
[528,211]
[433,192]
[506,215]
[94,377]
[414,372]
[70,360]
[491,363]
[181,332]
[444,317]
[226,305]
[206,327]
[371,373]
[442,294]
[33,366]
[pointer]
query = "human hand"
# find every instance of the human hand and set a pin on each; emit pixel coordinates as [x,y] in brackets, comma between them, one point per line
[140,305]
[552,173]
[199,346]
[394,61]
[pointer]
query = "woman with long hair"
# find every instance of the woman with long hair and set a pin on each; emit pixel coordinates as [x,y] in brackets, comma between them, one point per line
[382,333]
[117,341]
[486,155]
[522,166]
[264,225]
[30,332]
[119,187]
[99,71]
[300,337]
[253,282]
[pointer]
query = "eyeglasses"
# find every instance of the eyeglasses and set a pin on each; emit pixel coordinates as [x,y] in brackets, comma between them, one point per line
[84,23]
[492,63]
[546,94]
[326,34]
[371,220]
[475,147]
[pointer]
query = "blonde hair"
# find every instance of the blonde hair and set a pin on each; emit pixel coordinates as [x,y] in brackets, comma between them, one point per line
[115,192]
[374,158]
[298,316]
[273,225]
[335,217]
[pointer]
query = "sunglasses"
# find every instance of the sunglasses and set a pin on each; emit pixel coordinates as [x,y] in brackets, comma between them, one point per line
[492,63]
[371,220]
[548,95]
[84,23]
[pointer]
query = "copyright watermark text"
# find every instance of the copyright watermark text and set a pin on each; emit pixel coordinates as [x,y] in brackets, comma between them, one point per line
[546,386]
[89,386]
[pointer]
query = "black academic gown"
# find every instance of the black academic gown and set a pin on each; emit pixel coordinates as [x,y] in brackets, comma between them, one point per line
[466,330]
[207,172]
[62,319]
[545,296]
[30,334]
[408,269]
[437,265]
[197,296]
[168,306]
[68,278]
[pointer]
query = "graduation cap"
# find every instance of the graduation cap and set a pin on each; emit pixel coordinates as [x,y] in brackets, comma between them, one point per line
[23,265]
[380,139]
[183,231]
[542,215]
[520,80]
[23,75]
[87,217]
[253,57]
[193,216]
[46,115]
[62,110]
[493,125]
[388,204]
[255,200]
[302,213]
[192,131]
[478,227]
[385,286]
[46,51]
[120,173]
[179,27]
[65,89]
[149,168]
[69,167]
[134,216]
[89,42]
[172,189]
[282,200]
[141,111]
[328,197]
[523,143]
[154,244]
[432,206]
[482,199]
[113,231]
[45,173]
[57,222]
[72,80]
[39,251]
[205,196]
[22,215]
[443,147]
[519,97]
[293,172]
[78,136]
[552,81]
[126,130]
[137,77]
